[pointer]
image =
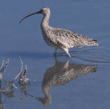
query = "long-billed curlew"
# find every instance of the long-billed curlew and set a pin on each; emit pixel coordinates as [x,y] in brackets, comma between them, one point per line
[61,38]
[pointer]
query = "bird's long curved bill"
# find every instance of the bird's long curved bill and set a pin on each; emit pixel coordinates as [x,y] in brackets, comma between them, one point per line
[30,15]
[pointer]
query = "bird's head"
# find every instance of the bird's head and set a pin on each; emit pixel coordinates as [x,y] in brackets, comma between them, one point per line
[44,11]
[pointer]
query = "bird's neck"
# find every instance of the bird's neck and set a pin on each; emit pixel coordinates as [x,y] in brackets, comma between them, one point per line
[45,21]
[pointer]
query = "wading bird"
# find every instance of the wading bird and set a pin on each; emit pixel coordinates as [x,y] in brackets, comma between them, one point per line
[61,38]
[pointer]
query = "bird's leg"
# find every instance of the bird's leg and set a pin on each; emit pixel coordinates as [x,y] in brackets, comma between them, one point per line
[66,50]
[55,52]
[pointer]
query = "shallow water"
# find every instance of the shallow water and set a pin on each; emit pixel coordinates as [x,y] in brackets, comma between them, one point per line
[81,82]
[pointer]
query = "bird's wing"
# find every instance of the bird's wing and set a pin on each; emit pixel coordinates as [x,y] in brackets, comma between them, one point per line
[70,38]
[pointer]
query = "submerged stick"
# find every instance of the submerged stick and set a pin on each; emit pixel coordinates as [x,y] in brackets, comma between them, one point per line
[20,73]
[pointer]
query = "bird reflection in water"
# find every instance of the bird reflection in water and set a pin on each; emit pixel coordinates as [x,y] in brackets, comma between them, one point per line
[60,74]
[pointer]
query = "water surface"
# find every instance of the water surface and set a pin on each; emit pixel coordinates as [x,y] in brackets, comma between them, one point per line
[81,82]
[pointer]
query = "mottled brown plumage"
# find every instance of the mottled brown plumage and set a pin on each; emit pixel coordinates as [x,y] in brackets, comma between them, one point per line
[61,38]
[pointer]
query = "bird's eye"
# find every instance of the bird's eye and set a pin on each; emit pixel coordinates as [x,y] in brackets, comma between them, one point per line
[41,11]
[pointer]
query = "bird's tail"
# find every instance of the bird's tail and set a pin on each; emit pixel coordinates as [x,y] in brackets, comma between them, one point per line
[92,43]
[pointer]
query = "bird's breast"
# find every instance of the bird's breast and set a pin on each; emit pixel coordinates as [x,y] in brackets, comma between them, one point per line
[49,38]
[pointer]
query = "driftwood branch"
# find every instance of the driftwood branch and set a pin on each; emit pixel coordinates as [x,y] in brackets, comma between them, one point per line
[21,71]
[4,64]
[23,78]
